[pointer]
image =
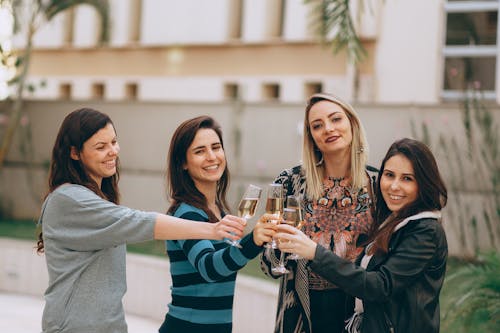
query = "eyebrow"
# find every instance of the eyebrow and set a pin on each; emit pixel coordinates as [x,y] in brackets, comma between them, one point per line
[329,115]
[404,174]
[204,146]
[103,142]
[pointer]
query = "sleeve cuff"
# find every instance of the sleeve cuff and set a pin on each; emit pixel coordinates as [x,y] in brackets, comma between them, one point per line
[249,249]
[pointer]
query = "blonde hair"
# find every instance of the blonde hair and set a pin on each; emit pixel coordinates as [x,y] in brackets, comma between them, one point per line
[313,159]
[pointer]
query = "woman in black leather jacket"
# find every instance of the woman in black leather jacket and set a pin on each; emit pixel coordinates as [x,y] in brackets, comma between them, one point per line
[398,278]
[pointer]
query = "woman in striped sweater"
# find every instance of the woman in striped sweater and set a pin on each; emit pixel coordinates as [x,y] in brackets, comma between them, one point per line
[203,271]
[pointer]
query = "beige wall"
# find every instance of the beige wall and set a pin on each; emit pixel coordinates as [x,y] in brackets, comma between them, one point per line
[184,60]
[270,142]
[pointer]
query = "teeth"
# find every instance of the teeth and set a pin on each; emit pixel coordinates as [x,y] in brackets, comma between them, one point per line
[395,197]
[213,167]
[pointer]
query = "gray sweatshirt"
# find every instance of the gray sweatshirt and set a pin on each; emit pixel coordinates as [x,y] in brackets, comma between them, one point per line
[84,238]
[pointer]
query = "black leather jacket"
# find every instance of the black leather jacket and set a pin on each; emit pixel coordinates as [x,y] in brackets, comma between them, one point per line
[400,290]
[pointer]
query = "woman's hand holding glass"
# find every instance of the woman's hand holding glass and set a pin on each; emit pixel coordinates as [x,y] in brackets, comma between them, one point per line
[229,227]
[292,240]
[263,233]
[246,208]
[270,221]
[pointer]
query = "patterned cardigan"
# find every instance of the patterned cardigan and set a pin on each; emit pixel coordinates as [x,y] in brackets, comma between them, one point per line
[294,314]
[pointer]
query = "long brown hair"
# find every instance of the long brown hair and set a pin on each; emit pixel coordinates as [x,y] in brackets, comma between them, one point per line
[179,183]
[75,130]
[432,192]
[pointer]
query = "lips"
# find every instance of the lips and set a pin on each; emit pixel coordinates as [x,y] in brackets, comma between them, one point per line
[211,167]
[332,138]
[110,164]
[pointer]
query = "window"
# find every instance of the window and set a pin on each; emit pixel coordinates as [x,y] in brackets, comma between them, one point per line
[312,88]
[470,50]
[231,91]
[271,92]
[65,91]
[98,90]
[131,91]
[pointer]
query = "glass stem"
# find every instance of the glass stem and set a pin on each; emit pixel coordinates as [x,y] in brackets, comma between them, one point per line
[282,259]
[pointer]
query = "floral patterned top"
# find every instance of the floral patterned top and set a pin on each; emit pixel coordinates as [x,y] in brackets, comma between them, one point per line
[336,220]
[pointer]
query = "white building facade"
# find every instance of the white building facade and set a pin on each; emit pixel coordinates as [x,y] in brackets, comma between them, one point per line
[418,52]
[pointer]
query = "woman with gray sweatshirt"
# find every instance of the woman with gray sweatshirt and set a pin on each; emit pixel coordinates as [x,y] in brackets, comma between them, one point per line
[85,230]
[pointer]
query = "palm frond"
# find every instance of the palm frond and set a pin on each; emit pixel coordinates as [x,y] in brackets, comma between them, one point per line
[476,293]
[54,7]
[333,22]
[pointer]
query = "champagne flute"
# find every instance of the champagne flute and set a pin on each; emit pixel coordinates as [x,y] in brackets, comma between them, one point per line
[274,206]
[246,208]
[292,215]
[289,216]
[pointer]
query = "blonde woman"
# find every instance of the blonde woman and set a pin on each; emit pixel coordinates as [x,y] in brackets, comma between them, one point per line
[335,188]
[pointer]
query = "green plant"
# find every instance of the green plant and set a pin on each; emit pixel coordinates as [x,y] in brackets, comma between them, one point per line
[29,16]
[335,26]
[471,165]
[20,229]
[472,301]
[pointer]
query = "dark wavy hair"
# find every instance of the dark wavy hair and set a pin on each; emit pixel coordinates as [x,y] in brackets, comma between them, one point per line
[432,192]
[180,185]
[75,130]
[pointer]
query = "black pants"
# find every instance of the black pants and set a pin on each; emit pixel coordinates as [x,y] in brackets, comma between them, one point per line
[328,310]
[175,325]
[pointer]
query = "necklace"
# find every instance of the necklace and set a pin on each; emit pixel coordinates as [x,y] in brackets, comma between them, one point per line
[336,179]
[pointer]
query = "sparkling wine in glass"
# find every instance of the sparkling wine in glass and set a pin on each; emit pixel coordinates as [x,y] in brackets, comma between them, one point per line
[274,206]
[246,208]
[292,215]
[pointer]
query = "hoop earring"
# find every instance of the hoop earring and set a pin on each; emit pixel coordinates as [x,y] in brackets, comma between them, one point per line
[320,161]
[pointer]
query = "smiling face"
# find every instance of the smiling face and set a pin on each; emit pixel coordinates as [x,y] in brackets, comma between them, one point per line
[205,158]
[330,128]
[99,154]
[398,183]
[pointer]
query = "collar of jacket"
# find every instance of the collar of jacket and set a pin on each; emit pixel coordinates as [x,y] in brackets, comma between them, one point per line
[377,259]
[422,215]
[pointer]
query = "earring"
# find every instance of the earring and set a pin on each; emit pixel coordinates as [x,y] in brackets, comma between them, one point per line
[320,161]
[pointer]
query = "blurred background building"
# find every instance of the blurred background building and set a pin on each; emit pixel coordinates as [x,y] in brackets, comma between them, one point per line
[262,50]
[252,64]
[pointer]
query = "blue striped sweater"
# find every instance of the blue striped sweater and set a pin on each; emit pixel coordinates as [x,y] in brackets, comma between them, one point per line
[203,278]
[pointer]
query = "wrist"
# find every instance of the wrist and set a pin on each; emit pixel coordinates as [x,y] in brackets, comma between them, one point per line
[257,242]
[213,231]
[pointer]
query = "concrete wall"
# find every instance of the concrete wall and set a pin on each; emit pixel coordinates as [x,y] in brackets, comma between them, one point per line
[148,280]
[261,139]
[409,64]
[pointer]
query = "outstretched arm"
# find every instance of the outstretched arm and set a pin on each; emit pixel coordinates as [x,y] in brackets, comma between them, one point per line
[404,264]
[170,227]
[295,241]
